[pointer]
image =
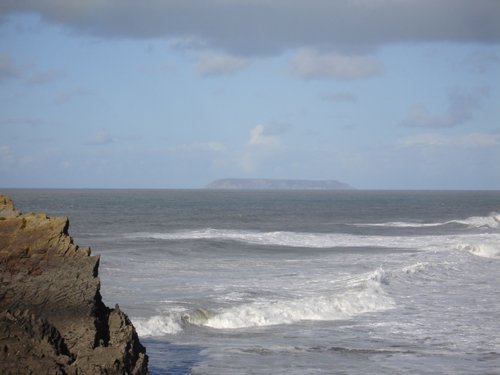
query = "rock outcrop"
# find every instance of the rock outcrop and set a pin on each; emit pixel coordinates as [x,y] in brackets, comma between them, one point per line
[52,318]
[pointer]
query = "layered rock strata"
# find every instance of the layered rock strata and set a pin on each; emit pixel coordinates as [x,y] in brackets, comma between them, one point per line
[52,318]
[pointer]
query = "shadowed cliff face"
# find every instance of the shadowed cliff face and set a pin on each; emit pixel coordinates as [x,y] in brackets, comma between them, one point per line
[52,318]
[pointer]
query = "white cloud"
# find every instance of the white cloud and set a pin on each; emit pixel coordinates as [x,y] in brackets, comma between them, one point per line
[310,64]
[263,145]
[198,147]
[470,140]
[216,64]
[265,142]
[461,108]
[261,136]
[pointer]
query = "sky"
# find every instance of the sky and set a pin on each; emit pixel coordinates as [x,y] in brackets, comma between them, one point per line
[380,94]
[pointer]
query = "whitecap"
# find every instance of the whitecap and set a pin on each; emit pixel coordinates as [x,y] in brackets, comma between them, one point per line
[322,240]
[278,238]
[366,297]
[258,314]
[362,294]
[482,250]
[158,325]
[414,268]
[490,221]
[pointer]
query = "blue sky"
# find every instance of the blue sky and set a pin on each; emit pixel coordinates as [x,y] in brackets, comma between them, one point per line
[381,94]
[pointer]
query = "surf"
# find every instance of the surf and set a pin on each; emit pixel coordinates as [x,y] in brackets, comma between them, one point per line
[362,294]
[324,240]
[484,250]
[490,221]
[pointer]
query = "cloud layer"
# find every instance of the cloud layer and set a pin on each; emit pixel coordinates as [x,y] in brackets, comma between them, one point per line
[462,105]
[310,64]
[213,64]
[257,27]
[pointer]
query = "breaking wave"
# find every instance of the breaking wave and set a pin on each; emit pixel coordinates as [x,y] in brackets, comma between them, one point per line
[490,221]
[279,238]
[158,325]
[415,268]
[323,240]
[485,250]
[367,295]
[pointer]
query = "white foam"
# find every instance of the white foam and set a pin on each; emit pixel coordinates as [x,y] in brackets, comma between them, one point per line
[291,239]
[361,294]
[490,221]
[402,224]
[158,325]
[483,250]
[315,308]
[379,276]
[414,268]
[324,240]
[370,297]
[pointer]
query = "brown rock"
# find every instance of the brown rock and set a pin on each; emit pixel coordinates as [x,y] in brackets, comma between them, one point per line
[52,318]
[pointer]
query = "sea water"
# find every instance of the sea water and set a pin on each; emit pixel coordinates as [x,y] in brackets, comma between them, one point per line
[297,282]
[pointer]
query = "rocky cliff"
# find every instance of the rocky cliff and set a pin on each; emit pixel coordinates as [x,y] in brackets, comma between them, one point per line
[52,318]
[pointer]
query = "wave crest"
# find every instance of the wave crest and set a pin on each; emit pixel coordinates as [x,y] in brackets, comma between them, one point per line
[328,240]
[491,221]
[158,325]
[483,250]
[364,295]
[291,239]
[338,307]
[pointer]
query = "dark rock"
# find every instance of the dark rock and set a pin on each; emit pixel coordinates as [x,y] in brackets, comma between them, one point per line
[52,318]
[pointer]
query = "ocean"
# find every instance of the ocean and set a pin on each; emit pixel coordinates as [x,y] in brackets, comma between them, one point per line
[296,282]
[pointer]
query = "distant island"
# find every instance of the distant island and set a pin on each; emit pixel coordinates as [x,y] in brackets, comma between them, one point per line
[276,184]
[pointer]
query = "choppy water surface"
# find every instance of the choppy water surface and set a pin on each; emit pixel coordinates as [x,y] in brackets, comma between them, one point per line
[297,282]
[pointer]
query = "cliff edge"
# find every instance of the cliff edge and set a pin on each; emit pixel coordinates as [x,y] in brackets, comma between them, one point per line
[52,318]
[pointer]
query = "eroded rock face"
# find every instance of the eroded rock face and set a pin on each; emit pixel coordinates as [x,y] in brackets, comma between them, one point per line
[52,318]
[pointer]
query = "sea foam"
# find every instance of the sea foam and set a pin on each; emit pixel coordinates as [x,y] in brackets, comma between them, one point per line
[363,296]
[278,238]
[485,250]
[158,325]
[490,221]
[369,297]
[322,240]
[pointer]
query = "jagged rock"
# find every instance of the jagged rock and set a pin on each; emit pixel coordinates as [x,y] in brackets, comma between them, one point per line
[52,318]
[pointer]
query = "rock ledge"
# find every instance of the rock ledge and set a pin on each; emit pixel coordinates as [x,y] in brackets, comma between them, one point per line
[52,318]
